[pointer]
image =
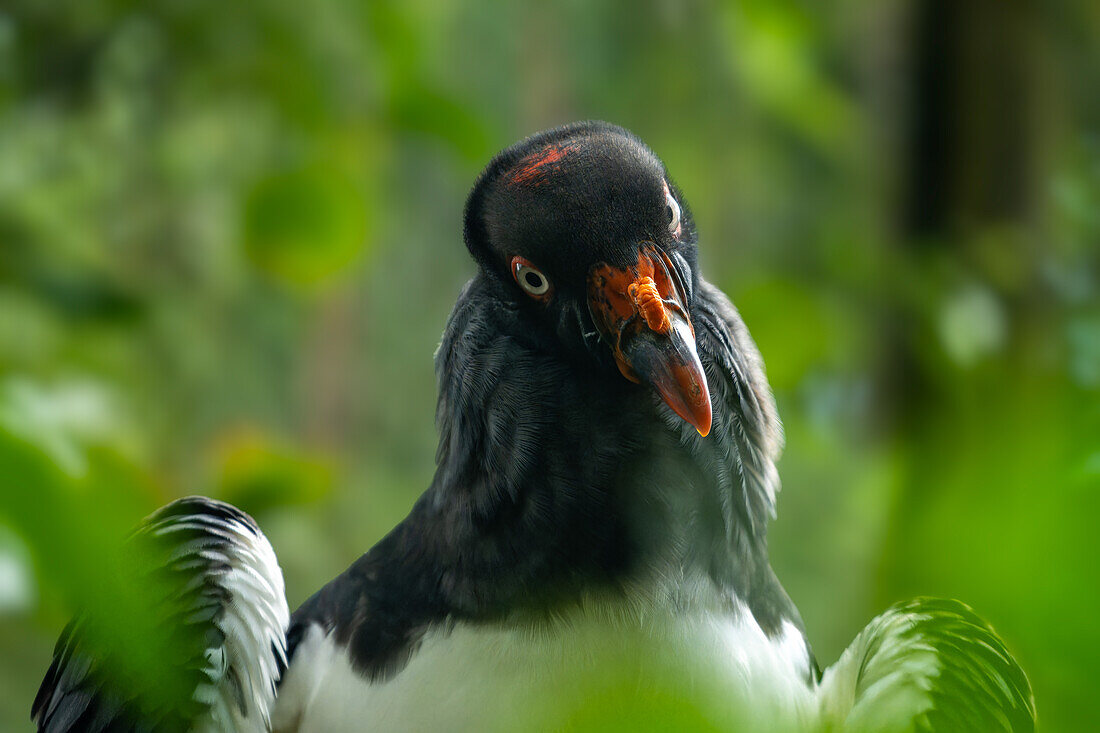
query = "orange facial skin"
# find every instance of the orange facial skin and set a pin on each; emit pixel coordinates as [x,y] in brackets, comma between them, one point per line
[642,314]
[649,304]
[622,302]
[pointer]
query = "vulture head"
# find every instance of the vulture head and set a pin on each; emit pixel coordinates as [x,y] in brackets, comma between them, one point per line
[582,229]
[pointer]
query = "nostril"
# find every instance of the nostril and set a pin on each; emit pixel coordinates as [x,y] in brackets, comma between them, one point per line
[648,303]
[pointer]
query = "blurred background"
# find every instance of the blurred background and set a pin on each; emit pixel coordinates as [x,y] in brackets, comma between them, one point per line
[230,237]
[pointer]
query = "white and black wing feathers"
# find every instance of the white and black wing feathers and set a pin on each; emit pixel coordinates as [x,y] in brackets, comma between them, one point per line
[198,643]
[927,665]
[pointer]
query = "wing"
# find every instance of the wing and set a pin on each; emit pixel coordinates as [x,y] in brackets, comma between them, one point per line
[196,640]
[927,665]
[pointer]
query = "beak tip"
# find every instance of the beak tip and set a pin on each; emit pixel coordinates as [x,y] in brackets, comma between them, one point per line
[698,415]
[702,421]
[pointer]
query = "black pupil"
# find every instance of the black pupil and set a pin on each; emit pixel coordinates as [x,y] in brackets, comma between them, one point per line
[533,279]
[669,210]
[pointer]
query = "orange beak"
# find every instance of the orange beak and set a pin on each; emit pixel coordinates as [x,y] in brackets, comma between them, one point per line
[642,314]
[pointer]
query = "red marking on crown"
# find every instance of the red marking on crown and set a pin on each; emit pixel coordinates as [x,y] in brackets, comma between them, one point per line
[530,169]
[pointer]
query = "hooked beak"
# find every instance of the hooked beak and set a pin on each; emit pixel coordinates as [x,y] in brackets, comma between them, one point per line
[642,313]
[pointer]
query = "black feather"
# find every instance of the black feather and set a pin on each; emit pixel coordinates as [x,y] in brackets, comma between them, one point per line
[135,665]
[551,483]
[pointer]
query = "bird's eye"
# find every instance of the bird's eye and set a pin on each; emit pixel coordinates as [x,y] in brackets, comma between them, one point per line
[530,278]
[672,213]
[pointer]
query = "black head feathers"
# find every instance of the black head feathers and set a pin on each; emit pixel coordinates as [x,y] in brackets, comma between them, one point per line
[570,197]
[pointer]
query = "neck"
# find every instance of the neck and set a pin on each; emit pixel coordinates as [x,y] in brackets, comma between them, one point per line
[558,483]
[556,480]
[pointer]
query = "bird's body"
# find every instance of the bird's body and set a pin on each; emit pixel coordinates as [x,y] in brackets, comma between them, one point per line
[645,563]
[545,676]
[592,552]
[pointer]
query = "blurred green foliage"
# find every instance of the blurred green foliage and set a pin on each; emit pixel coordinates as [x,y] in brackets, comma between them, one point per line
[230,235]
